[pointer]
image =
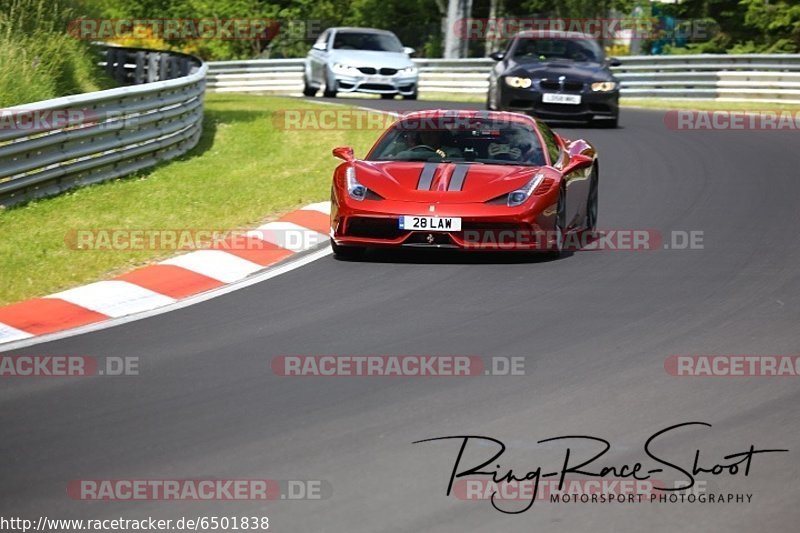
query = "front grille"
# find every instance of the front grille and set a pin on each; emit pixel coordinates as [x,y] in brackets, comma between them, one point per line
[599,108]
[561,109]
[376,86]
[368,70]
[555,85]
[492,226]
[388,71]
[430,239]
[521,104]
[373,228]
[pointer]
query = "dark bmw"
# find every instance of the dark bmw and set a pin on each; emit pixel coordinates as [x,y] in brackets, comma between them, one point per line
[555,76]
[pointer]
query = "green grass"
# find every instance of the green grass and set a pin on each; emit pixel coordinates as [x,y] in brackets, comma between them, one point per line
[38,59]
[245,170]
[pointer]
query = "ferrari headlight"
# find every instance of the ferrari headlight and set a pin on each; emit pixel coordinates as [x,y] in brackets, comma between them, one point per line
[518,83]
[604,86]
[355,190]
[340,68]
[520,196]
[407,71]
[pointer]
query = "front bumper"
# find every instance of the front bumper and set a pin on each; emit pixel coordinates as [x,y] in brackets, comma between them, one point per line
[483,227]
[396,84]
[593,104]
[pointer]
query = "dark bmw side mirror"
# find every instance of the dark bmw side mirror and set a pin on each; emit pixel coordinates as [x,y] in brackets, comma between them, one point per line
[614,62]
[345,153]
[497,56]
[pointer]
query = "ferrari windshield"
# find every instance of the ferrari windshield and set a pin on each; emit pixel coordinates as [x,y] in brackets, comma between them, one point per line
[543,49]
[369,41]
[460,140]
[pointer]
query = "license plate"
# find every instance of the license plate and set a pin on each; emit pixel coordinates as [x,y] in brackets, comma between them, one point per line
[413,223]
[379,79]
[556,98]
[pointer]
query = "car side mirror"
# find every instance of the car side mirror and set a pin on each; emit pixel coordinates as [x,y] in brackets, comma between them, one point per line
[497,56]
[409,51]
[614,62]
[320,46]
[345,153]
[577,162]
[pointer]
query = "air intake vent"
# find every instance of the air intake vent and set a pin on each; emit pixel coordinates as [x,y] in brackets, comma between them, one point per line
[544,186]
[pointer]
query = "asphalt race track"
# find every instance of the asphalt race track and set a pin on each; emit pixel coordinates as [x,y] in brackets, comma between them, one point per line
[594,328]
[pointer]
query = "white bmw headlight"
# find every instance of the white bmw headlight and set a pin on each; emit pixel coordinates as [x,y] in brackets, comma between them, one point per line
[604,86]
[520,196]
[408,70]
[355,190]
[341,68]
[518,83]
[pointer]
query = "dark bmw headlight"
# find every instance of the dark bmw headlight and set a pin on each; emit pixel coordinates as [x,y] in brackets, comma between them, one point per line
[518,83]
[604,86]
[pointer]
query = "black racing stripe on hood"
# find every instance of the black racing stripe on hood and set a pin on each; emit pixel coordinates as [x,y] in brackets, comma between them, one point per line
[426,176]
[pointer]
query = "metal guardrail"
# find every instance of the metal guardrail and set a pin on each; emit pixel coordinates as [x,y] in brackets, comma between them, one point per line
[54,145]
[749,77]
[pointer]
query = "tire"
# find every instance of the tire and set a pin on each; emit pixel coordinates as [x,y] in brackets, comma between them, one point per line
[327,92]
[591,201]
[387,97]
[491,103]
[307,89]
[412,96]
[347,252]
[559,227]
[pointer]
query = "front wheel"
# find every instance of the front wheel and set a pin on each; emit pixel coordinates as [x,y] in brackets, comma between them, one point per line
[387,97]
[308,90]
[559,226]
[592,201]
[329,91]
[491,97]
[347,252]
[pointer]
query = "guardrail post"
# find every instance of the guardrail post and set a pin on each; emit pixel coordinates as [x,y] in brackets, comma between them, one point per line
[138,76]
[152,66]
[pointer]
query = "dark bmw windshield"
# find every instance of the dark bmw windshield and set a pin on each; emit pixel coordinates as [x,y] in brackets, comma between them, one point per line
[543,49]
[460,140]
[370,41]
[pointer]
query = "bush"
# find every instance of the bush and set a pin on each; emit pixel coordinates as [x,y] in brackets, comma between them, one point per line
[38,59]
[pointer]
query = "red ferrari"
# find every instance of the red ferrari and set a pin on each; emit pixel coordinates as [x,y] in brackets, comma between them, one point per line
[473,180]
